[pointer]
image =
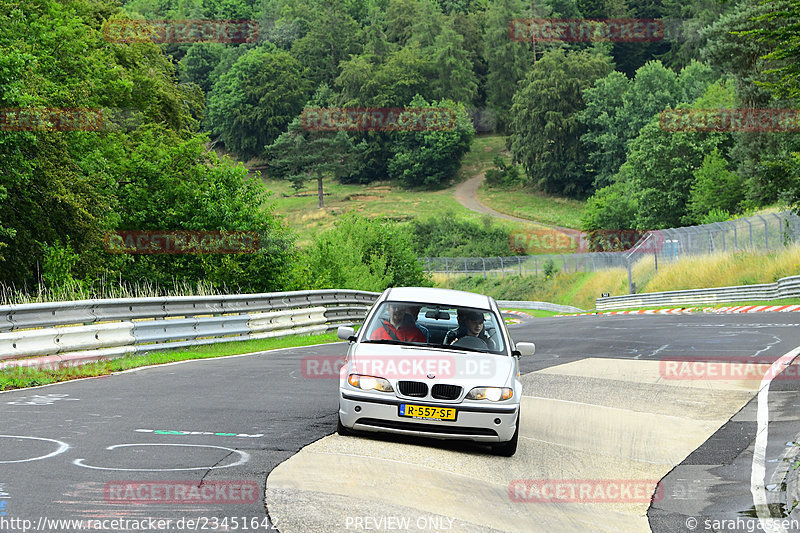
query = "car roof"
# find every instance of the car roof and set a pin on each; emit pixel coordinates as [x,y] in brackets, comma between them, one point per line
[446,297]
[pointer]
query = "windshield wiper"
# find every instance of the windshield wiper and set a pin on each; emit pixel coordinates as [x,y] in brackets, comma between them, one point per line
[390,341]
[452,347]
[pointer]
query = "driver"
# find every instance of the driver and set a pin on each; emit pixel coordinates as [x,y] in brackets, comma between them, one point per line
[397,328]
[470,323]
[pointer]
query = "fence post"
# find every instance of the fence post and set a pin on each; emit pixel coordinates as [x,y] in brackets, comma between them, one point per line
[484,267]
[766,232]
[519,262]
[502,270]
[751,233]
[446,269]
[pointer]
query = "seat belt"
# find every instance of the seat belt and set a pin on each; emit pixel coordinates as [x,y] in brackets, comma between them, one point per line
[390,332]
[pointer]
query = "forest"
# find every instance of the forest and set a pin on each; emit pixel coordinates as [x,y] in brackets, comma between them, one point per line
[582,118]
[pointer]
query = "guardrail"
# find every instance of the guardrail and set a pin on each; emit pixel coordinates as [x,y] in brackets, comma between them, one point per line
[69,333]
[541,306]
[783,288]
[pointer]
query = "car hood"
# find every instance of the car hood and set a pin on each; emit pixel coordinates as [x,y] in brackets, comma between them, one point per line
[394,362]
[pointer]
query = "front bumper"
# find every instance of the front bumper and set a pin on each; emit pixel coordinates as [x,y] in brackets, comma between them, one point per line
[473,422]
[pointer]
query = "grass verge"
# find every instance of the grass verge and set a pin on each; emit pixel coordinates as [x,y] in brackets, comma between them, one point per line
[536,313]
[23,377]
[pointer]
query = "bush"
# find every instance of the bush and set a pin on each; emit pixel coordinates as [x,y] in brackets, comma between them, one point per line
[364,254]
[446,235]
[503,175]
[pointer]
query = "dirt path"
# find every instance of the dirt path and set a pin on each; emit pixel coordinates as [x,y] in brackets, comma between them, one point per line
[466,193]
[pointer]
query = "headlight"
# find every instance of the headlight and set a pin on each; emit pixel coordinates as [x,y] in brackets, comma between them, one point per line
[369,383]
[494,394]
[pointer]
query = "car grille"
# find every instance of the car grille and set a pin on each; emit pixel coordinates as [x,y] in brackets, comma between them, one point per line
[446,392]
[413,388]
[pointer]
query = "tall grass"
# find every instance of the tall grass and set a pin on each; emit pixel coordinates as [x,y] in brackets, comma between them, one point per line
[581,289]
[726,269]
[104,288]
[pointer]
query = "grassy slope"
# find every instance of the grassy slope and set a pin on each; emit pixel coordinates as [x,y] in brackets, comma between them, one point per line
[524,203]
[387,199]
[581,289]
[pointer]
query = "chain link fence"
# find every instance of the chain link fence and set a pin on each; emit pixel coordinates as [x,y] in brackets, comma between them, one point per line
[758,233]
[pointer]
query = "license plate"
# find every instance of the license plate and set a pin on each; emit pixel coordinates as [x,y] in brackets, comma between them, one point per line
[429,413]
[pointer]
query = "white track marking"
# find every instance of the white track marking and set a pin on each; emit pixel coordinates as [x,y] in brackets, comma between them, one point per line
[243,458]
[62,447]
[758,471]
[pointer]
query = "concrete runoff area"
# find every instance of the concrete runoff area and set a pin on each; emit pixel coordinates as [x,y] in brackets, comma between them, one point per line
[592,419]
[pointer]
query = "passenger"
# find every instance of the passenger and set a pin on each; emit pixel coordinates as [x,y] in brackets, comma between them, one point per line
[470,324]
[397,328]
[412,312]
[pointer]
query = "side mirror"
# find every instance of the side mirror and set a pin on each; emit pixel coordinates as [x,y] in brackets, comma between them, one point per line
[346,333]
[525,348]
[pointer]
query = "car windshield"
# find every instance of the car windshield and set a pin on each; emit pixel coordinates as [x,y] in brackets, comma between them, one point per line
[465,328]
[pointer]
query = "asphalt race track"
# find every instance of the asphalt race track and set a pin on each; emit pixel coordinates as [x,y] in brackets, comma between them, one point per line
[203,445]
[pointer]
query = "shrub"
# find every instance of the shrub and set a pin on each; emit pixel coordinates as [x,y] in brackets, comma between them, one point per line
[365,254]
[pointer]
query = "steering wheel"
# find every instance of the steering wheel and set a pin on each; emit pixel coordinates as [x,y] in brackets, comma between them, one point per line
[471,342]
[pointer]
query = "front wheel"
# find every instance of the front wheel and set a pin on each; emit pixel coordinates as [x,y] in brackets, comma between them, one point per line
[507,449]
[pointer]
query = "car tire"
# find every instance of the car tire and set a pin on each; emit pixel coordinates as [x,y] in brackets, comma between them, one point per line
[507,449]
[341,429]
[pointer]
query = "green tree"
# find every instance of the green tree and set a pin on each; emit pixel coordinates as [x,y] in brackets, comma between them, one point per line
[250,105]
[199,63]
[714,188]
[778,28]
[507,60]
[617,108]
[298,155]
[605,138]
[432,158]
[455,79]
[546,132]
[333,37]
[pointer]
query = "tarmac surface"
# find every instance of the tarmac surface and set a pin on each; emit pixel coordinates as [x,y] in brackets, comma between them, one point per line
[600,405]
